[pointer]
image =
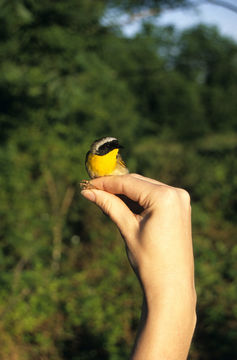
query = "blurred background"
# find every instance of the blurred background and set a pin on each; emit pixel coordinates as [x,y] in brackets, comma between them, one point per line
[71,72]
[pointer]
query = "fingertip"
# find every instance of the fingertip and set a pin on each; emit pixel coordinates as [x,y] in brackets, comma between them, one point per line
[88,194]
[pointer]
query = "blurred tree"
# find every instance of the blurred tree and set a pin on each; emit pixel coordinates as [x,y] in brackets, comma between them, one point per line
[49,62]
[210,60]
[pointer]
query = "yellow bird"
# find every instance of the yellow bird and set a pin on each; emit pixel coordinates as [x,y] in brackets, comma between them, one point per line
[103,158]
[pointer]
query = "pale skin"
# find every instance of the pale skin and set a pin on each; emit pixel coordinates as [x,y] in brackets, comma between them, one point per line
[159,247]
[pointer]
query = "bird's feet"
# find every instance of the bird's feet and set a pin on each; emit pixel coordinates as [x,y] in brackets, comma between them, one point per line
[86,185]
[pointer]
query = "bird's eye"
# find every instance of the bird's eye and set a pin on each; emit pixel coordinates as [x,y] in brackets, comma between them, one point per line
[108,146]
[103,147]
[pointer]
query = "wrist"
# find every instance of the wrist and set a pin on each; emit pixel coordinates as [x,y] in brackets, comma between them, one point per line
[167,324]
[175,297]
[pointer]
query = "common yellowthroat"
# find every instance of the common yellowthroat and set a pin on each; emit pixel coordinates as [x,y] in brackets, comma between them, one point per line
[103,158]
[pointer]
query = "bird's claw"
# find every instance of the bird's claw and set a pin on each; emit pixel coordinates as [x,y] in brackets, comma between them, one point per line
[86,185]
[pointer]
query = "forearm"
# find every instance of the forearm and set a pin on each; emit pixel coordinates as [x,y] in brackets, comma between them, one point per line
[167,325]
[159,245]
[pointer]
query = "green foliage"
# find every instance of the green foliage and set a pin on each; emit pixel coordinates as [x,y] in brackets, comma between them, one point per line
[67,291]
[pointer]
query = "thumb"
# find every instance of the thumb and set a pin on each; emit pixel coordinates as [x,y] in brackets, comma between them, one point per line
[115,208]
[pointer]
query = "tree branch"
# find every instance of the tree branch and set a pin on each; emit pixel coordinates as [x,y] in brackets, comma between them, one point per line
[58,227]
[141,15]
[223,4]
[52,191]
[67,200]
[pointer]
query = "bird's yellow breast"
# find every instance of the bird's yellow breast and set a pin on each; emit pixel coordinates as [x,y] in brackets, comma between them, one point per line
[101,165]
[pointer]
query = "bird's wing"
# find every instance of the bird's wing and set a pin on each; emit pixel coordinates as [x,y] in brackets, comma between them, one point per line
[120,161]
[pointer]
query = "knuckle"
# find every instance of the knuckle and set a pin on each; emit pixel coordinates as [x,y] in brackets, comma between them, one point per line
[184,195]
[169,196]
[126,176]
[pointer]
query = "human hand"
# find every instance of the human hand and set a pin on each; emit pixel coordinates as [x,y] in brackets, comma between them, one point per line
[159,246]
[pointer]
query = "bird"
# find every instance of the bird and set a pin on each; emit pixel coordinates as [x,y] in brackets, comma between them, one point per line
[103,159]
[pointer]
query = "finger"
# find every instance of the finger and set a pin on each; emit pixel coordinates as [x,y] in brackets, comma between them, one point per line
[134,188]
[152,181]
[182,192]
[115,208]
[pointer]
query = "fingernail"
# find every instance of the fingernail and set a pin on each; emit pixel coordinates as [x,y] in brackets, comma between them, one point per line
[88,194]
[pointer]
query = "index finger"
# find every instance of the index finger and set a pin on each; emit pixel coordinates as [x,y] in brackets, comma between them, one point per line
[128,185]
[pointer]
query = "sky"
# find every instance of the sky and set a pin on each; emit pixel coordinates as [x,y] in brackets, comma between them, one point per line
[223,18]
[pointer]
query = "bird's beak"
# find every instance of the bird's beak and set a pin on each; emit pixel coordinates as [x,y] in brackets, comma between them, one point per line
[121,147]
